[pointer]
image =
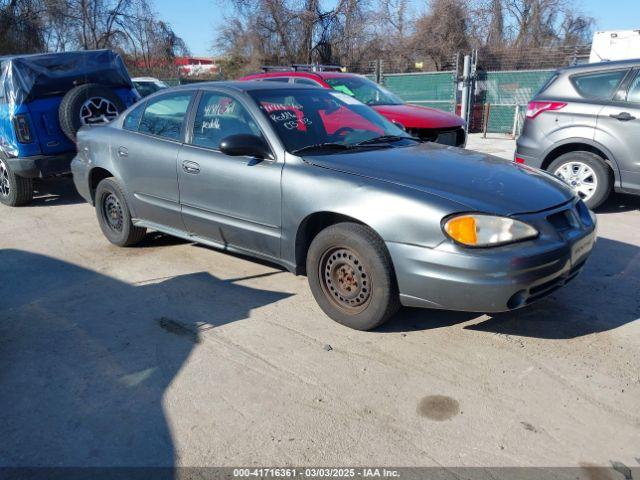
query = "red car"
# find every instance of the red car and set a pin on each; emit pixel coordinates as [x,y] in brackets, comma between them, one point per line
[425,123]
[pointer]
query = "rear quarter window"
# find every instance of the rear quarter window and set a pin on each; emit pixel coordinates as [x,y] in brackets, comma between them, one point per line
[598,85]
[132,121]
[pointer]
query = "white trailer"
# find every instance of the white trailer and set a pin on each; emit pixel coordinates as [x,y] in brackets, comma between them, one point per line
[615,45]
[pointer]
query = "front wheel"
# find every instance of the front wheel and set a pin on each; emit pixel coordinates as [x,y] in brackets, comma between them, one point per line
[114,215]
[586,173]
[351,276]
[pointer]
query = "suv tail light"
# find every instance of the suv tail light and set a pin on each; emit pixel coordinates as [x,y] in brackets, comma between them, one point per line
[23,132]
[536,108]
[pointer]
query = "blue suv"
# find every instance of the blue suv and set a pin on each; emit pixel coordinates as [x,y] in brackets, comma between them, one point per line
[44,100]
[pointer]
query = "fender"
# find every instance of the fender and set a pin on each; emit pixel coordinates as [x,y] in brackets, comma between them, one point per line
[610,160]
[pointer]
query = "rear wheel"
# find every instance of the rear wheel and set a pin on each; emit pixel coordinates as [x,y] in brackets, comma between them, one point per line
[114,215]
[586,173]
[14,190]
[351,276]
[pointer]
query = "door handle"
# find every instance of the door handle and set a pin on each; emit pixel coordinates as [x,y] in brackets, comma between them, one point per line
[623,117]
[190,167]
[123,152]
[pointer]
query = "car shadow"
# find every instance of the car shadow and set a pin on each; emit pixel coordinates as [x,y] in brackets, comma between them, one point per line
[602,298]
[55,191]
[86,359]
[619,202]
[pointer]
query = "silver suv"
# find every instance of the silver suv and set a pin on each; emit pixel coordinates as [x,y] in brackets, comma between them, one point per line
[584,127]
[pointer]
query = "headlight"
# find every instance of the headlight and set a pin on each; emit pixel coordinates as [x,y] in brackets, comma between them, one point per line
[480,230]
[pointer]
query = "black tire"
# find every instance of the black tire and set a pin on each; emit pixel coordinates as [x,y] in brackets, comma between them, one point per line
[601,171]
[114,215]
[71,108]
[15,191]
[351,276]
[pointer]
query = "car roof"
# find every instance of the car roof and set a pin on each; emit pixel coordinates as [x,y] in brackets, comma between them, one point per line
[592,67]
[61,55]
[245,86]
[303,74]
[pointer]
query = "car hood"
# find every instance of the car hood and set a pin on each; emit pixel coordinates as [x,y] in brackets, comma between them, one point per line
[413,116]
[476,181]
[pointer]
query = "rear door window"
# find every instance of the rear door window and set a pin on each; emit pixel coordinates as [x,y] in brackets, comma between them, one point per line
[164,115]
[599,85]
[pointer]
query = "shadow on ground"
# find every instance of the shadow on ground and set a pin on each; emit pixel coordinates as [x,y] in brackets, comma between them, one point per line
[85,359]
[618,203]
[55,191]
[603,297]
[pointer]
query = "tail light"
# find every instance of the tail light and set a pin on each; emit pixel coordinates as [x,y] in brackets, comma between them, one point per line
[23,132]
[536,108]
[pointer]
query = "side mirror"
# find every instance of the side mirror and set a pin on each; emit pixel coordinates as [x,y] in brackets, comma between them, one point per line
[242,145]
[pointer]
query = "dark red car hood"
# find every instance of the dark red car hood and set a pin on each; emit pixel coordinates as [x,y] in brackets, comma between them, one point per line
[413,116]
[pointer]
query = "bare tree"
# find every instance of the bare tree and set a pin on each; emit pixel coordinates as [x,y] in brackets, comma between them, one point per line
[443,32]
[21,27]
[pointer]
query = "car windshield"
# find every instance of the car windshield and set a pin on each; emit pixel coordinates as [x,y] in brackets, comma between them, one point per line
[365,90]
[326,121]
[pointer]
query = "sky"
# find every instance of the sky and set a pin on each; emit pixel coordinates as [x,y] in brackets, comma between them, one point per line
[196,20]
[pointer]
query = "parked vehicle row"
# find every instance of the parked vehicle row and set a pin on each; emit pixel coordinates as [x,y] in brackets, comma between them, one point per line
[316,181]
[584,127]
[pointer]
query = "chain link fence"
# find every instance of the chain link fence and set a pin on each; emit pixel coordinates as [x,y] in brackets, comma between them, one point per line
[502,84]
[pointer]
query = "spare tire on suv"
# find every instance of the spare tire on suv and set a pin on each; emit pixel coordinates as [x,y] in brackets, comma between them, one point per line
[89,104]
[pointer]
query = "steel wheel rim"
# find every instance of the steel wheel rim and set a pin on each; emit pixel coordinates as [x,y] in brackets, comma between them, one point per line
[5,186]
[97,110]
[580,177]
[112,212]
[345,280]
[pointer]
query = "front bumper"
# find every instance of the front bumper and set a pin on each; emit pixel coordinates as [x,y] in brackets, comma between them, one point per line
[489,280]
[40,166]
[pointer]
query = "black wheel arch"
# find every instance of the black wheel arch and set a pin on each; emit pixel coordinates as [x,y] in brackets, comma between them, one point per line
[310,226]
[96,175]
[582,145]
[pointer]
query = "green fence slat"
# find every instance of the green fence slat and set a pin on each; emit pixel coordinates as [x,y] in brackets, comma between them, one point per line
[437,90]
[505,90]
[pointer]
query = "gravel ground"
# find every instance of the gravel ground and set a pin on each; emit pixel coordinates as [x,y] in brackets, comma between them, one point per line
[176,354]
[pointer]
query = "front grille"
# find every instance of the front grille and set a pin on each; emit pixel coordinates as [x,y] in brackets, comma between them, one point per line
[547,288]
[454,137]
[562,221]
[571,218]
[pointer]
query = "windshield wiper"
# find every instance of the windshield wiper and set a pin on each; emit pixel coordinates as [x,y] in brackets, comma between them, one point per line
[385,139]
[321,146]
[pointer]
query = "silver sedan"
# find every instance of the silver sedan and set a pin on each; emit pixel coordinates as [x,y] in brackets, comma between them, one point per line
[315,181]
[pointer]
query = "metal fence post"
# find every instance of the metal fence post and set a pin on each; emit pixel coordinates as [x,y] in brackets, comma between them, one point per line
[485,126]
[466,76]
[378,71]
[516,121]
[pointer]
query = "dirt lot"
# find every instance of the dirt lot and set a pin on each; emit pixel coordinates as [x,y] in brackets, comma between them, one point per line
[176,354]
